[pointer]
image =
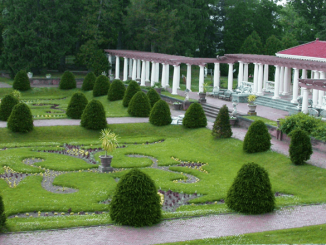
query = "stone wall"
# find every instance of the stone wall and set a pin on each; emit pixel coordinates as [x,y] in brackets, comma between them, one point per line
[51,81]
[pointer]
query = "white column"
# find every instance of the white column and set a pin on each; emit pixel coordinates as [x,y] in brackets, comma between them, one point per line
[157,70]
[143,73]
[130,67]
[147,71]
[315,91]
[138,69]
[265,76]
[260,79]
[201,78]
[110,61]
[245,72]
[304,108]
[255,79]
[125,69]
[134,70]
[153,73]
[277,82]
[117,67]
[303,76]
[321,93]
[175,79]
[287,79]
[167,75]
[217,75]
[240,75]
[188,86]
[295,86]
[163,75]
[230,77]
[281,80]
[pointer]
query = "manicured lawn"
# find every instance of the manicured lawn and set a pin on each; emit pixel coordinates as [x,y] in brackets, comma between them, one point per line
[265,120]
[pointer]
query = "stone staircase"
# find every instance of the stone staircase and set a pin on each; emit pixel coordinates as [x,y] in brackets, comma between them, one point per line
[277,104]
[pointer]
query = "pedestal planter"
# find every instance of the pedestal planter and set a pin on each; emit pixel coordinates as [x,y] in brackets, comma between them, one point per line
[202,98]
[177,107]
[252,110]
[105,164]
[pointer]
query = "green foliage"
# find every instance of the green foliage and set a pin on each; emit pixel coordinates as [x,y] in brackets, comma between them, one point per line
[289,41]
[251,191]
[273,45]
[93,116]
[257,138]
[132,89]
[136,202]
[300,147]
[252,45]
[76,106]
[21,81]
[117,90]
[6,106]
[67,80]
[21,119]
[2,214]
[195,117]
[139,105]
[160,114]
[299,121]
[153,96]
[89,81]
[222,126]
[101,86]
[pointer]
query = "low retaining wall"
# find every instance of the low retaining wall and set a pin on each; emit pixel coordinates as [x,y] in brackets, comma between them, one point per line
[51,81]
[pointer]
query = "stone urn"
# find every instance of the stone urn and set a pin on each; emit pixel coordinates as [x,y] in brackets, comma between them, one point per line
[252,110]
[105,163]
[202,97]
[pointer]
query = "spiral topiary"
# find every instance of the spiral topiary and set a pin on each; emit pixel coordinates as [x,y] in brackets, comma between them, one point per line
[2,214]
[76,106]
[21,119]
[93,116]
[251,191]
[117,90]
[160,114]
[300,148]
[67,81]
[6,106]
[101,86]
[222,126]
[195,117]
[136,202]
[21,81]
[257,138]
[153,96]
[139,105]
[132,89]
[89,81]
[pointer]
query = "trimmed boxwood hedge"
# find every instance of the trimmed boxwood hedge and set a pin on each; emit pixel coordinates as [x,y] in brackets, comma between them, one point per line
[6,106]
[101,86]
[257,138]
[160,114]
[222,126]
[132,89]
[93,116]
[300,148]
[76,106]
[153,96]
[195,117]
[21,81]
[139,105]
[67,81]
[117,90]
[89,81]
[21,119]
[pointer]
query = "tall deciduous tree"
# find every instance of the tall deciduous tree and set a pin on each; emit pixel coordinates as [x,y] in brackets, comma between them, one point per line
[273,45]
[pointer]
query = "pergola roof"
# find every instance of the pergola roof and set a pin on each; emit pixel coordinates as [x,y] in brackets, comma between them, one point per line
[319,84]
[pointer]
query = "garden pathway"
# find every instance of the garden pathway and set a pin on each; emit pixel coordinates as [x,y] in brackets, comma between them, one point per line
[5,85]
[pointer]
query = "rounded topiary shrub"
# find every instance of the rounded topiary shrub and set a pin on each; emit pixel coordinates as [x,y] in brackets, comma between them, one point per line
[300,148]
[117,90]
[21,119]
[67,81]
[153,96]
[222,126]
[2,214]
[132,89]
[160,114]
[136,202]
[76,106]
[251,191]
[89,81]
[139,105]
[6,106]
[93,116]
[101,86]
[257,138]
[195,117]
[21,81]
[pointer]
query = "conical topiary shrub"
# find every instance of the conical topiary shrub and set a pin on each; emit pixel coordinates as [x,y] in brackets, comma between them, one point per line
[136,202]
[117,90]
[21,81]
[89,81]
[195,117]
[93,116]
[67,81]
[160,114]
[300,148]
[76,106]
[21,119]
[257,138]
[2,214]
[139,105]
[101,86]
[153,96]
[222,126]
[251,191]
[132,89]
[6,106]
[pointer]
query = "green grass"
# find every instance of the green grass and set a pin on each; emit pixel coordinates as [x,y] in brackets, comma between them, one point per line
[265,120]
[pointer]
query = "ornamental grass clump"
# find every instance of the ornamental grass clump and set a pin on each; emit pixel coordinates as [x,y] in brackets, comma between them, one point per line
[251,191]
[300,148]
[222,126]
[195,117]
[21,81]
[153,96]
[6,106]
[89,81]
[67,81]
[257,138]
[101,86]
[2,214]
[139,105]
[93,116]
[117,90]
[136,202]
[76,106]
[109,141]
[21,119]
[132,89]
[160,114]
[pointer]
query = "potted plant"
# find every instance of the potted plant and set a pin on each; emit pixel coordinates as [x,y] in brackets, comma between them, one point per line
[109,144]
[202,95]
[158,87]
[177,105]
[251,105]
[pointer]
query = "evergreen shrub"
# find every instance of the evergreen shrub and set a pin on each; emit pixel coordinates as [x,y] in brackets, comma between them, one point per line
[89,81]
[251,191]
[160,114]
[153,96]
[6,106]
[93,116]
[67,80]
[117,90]
[257,138]
[222,126]
[2,214]
[132,89]
[101,86]
[300,148]
[21,119]
[21,81]
[76,106]
[136,202]
[299,121]
[139,105]
[195,117]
